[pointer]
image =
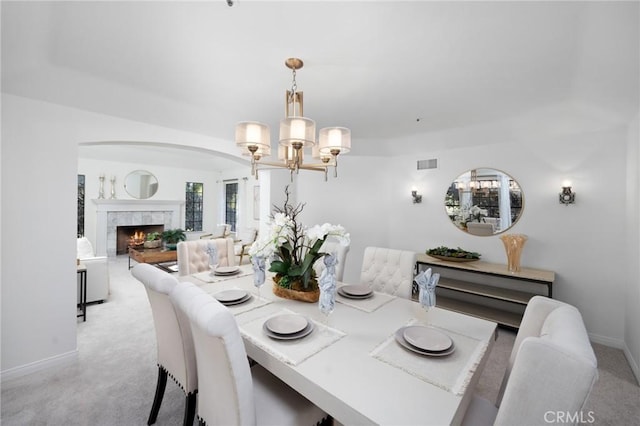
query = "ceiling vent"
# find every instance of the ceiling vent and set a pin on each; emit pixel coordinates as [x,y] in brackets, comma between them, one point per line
[428,164]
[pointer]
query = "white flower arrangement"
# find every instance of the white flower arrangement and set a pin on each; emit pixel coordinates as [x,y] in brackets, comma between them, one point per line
[291,248]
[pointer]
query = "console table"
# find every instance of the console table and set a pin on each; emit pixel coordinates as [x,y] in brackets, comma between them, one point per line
[487,290]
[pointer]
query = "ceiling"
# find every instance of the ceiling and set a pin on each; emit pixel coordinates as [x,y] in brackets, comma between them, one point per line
[387,70]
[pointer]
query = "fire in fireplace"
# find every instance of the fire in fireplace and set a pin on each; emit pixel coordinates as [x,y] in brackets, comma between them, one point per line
[133,236]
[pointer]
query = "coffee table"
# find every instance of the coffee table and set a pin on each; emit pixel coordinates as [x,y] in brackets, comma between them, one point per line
[152,256]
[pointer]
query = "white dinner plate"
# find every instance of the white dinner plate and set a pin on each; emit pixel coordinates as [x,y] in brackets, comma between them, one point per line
[427,338]
[286,324]
[400,339]
[226,270]
[349,296]
[299,335]
[238,302]
[356,290]
[228,296]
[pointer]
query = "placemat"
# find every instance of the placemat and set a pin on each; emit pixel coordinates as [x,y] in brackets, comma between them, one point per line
[367,305]
[451,373]
[292,352]
[208,277]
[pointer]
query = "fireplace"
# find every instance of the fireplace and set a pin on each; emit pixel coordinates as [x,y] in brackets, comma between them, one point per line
[114,213]
[133,236]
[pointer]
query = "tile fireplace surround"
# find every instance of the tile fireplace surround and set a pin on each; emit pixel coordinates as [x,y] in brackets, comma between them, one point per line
[113,213]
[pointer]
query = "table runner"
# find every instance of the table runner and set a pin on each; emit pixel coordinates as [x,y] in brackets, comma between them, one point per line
[292,352]
[451,373]
[366,305]
[208,277]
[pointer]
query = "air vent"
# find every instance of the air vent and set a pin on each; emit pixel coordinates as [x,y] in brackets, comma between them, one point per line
[428,164]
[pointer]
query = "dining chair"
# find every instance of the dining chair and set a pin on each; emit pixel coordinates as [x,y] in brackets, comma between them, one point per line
[340,253]
[480,229]
[389,271]
[230,392]
[247,238]
[193,256]
[176,356]
[551,370]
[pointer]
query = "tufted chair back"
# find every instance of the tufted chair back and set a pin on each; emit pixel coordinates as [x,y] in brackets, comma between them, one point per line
[340,252]
[388,270]
[176,355]
[193,256]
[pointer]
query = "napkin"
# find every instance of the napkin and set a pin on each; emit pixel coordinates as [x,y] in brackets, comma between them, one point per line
[327,284]
[213,254]
[427,283]
[258,264]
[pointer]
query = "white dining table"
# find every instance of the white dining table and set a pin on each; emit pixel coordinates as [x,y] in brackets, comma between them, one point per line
[351,366]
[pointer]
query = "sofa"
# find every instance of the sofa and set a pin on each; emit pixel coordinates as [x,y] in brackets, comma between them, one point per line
[97,272]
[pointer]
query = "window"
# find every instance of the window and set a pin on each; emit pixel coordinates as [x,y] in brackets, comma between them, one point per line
[231,203]
[193,206]
[80,206]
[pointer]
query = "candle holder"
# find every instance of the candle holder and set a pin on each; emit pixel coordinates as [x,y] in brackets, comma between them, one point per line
[513,244]
[113,188]
[101,187]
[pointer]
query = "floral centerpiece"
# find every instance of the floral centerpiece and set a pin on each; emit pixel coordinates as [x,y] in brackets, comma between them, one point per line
[292,249]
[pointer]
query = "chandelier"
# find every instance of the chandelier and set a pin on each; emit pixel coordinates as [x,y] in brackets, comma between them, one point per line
[297,132]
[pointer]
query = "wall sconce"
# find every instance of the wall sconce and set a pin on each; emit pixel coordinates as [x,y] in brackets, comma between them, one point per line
[567,197]
[417,198]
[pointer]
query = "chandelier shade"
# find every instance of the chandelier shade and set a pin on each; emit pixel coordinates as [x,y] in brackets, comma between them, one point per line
[253,134]
[334,138]
[296,130]
[297,133]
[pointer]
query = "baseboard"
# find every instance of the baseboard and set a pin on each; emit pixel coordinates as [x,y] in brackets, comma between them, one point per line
[53,362]
[632,363]
[607,341]
[618,344]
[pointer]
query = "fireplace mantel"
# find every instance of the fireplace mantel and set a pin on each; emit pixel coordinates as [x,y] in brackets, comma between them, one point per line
[113,212]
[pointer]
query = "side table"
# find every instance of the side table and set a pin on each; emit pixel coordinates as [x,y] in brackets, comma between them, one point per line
[82,272]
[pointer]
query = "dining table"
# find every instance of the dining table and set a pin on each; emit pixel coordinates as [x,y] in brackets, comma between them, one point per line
[352,364]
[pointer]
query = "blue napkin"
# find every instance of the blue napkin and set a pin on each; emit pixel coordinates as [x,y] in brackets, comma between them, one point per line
[427,283]
[327,284]
[258,263]
[213,254]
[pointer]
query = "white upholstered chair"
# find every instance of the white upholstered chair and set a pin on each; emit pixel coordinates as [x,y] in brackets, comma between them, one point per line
[389,271]
[552,369]
[341,254]
[176,356]
[97,271]
[193,256]
[247,238]
[230,392]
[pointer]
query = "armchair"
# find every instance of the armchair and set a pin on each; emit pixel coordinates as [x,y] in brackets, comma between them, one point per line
[97,271]
[247,238]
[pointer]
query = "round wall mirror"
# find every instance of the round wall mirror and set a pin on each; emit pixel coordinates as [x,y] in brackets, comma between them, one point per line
[141,184]
[484,202]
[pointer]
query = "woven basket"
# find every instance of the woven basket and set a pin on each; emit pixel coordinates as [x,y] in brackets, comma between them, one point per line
[311,296]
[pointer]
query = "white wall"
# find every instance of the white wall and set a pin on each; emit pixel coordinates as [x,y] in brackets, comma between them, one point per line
[583,243]
[632,300]
[39,179]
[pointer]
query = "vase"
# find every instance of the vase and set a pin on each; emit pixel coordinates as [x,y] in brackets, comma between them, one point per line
[311,295]
[513,245]
[152,244]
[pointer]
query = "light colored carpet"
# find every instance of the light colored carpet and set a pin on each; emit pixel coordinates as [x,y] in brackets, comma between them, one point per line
[114,381]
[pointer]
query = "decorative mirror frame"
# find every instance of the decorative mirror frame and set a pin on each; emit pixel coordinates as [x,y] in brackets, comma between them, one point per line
[475,203]
[141,184]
